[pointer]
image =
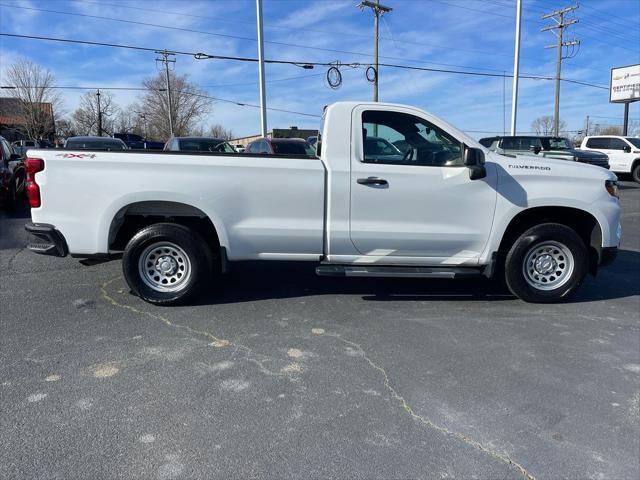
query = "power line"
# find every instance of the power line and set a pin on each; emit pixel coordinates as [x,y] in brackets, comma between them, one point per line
[184,92]
[609,15]
[301,64]
[472,9]
[236,37]
[332,33]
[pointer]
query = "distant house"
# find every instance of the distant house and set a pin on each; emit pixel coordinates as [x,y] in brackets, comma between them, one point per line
[12,119]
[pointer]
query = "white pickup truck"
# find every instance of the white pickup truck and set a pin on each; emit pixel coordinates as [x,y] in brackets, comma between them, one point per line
[395,192]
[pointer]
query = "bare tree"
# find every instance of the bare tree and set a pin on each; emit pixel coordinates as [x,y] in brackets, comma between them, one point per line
[609,130]
[33,85]
[130,120]
[85,118]
[218,131]
[544,125]
[64,128]
[189,104]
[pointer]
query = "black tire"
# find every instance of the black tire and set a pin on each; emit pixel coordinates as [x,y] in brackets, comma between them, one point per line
[12,198]
[635,173]
[556,259]
[189,251]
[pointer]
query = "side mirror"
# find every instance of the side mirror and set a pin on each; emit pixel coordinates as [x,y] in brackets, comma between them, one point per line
[474,161]
[535,149]
[627,149]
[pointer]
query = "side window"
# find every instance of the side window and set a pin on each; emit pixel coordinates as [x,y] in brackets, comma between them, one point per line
[264,147]
[527,142]
[404,139]
[617,144]
[508,143]
[598,143]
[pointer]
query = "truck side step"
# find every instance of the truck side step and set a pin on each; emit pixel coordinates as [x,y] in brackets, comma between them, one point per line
[395,271]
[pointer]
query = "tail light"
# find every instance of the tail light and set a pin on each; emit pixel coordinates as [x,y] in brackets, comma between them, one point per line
[33,166]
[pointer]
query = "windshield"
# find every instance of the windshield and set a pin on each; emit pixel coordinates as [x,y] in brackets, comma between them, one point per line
[557,143]
[293,148]
[95,145]
[205,145]
[633,141]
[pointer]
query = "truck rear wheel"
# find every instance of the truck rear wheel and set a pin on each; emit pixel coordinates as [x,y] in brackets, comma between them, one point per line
[546,264]
[167,263]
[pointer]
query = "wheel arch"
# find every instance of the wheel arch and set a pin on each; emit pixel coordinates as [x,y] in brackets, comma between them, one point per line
[134,216]
[582,222]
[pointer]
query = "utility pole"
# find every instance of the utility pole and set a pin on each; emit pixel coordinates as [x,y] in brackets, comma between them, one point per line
[99,114]
[516,69]
[166,59]
[378,11]
[586,128]
[558,30]
[263,93]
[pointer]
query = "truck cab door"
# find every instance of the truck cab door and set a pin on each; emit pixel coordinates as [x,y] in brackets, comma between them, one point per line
[411,194]
[620,160]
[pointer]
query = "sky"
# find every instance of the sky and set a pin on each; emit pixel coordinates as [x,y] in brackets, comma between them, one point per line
[462,35]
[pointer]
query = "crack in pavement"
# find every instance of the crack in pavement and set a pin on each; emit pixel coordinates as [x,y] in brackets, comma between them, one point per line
[219,342]
[425,421]
[13,257]
[214,341]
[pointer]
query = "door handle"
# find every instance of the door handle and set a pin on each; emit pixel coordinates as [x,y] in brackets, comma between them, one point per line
[372,181]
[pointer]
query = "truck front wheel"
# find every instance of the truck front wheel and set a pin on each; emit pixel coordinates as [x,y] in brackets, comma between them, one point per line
[546,264]
[635,172]
[166,263]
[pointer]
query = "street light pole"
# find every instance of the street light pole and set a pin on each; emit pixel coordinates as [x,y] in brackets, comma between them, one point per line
[516,69]
[263,100]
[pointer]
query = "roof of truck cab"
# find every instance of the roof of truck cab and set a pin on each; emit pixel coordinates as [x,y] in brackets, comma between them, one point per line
[350,105]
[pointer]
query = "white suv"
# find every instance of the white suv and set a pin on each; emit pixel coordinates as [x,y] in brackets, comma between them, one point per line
[623,152]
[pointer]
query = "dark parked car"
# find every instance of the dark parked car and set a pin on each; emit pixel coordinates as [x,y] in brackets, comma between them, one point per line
[136,142]
[551,147]
[281,146]
[21,146]
[198,144]
[12,175]
[94,143]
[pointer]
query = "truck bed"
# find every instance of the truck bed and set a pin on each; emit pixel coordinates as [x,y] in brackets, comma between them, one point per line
[267,204]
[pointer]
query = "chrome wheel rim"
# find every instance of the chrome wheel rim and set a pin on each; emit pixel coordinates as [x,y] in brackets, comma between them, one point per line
[164,267]
[548,265]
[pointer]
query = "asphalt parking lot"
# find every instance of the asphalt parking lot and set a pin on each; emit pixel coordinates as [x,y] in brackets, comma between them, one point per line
[278,373]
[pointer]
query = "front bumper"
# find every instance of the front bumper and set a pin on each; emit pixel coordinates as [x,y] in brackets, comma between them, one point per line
[46,240]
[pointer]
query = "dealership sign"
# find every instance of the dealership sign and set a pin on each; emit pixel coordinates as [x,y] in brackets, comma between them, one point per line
[625,84]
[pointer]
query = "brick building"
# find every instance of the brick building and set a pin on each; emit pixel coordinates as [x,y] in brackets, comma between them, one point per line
[12,119]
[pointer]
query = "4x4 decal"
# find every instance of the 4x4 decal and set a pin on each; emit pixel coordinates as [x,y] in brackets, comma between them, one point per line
[76,155]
